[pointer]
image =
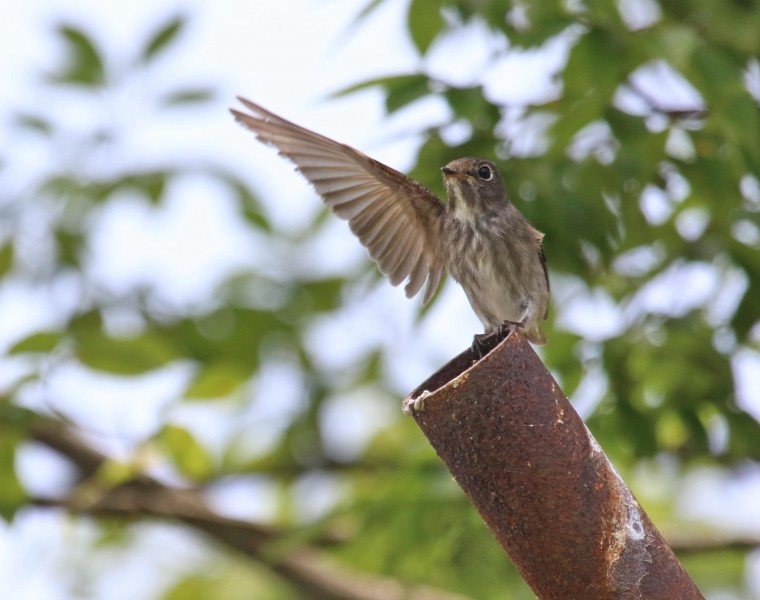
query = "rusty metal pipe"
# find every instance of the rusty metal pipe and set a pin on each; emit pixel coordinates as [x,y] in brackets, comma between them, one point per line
[541,482]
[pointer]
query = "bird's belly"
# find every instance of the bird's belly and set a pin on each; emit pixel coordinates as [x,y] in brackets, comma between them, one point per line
[493,297]
[500,285]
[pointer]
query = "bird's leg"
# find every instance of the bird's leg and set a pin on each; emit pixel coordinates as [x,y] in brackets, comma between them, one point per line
[506,326]
[482,344]
[527,306]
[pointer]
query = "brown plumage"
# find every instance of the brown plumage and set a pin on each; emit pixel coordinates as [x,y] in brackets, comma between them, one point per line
[487,245]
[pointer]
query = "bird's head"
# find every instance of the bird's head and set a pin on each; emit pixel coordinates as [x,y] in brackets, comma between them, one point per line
[472,185]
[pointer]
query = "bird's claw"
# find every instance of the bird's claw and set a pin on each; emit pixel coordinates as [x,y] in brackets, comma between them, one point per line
[505,328]
[483,343]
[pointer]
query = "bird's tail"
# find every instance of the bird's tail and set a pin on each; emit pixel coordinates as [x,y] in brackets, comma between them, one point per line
[535,336]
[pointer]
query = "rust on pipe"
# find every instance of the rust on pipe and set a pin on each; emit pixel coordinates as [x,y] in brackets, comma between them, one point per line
[541,482]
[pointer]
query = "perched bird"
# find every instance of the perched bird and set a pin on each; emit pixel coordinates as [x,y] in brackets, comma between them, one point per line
[486,244]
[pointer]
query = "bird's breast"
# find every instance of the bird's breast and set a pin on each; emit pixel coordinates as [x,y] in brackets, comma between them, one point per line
[498,271]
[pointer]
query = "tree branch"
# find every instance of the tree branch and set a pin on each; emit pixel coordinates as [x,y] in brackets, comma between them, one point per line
[312,572]
[689,545]
[303,566]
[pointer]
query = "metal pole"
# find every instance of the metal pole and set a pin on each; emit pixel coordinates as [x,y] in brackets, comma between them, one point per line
[541,482]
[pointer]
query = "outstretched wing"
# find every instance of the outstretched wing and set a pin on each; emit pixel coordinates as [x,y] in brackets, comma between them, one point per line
[396,218]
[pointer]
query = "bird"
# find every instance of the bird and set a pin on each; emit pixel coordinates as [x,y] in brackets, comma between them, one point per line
[478,236]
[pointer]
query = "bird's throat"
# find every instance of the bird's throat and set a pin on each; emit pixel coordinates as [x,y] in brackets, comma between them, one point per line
[461,204]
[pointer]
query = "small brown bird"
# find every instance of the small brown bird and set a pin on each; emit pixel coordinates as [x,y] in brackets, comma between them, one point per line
[486,244]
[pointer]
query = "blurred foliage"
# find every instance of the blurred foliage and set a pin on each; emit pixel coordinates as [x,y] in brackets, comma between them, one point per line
[612,141]
[633,189]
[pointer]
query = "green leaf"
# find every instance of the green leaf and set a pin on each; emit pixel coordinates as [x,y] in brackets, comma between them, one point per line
[250,205]
[675,41]
[34,123]
[742,123]
[188,96]
[85,67]
[541,28]
[40,342]
[716,73]
[162,38]
[323,294]
[124,356]
[218,380]
[6,258]
[185,452]
[562,352]
[368,10]
[722,567]
[113,473]
[69,246]
[15,418]
[744,432]
[470,103]
[404,90]
[12,495]
[425,22]
[86,323]
[151,184]
[595,67]
[230,580]
[747,314]
[401,89]
[234,335]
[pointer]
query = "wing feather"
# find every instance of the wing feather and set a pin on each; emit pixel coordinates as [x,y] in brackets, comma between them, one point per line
[417,277]
[397,219]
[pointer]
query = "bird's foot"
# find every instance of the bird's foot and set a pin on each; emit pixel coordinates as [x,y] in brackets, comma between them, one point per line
[483,343]
[412,405]
[506,327]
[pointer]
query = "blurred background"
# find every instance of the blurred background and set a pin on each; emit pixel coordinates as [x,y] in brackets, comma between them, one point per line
[201,370]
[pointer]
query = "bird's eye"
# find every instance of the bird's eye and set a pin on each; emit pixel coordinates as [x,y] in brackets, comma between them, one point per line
[485,173]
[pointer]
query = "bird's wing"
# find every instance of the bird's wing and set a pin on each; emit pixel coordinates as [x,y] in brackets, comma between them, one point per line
[395,217]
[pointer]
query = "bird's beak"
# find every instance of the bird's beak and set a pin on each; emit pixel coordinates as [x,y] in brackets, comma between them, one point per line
[449,172]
